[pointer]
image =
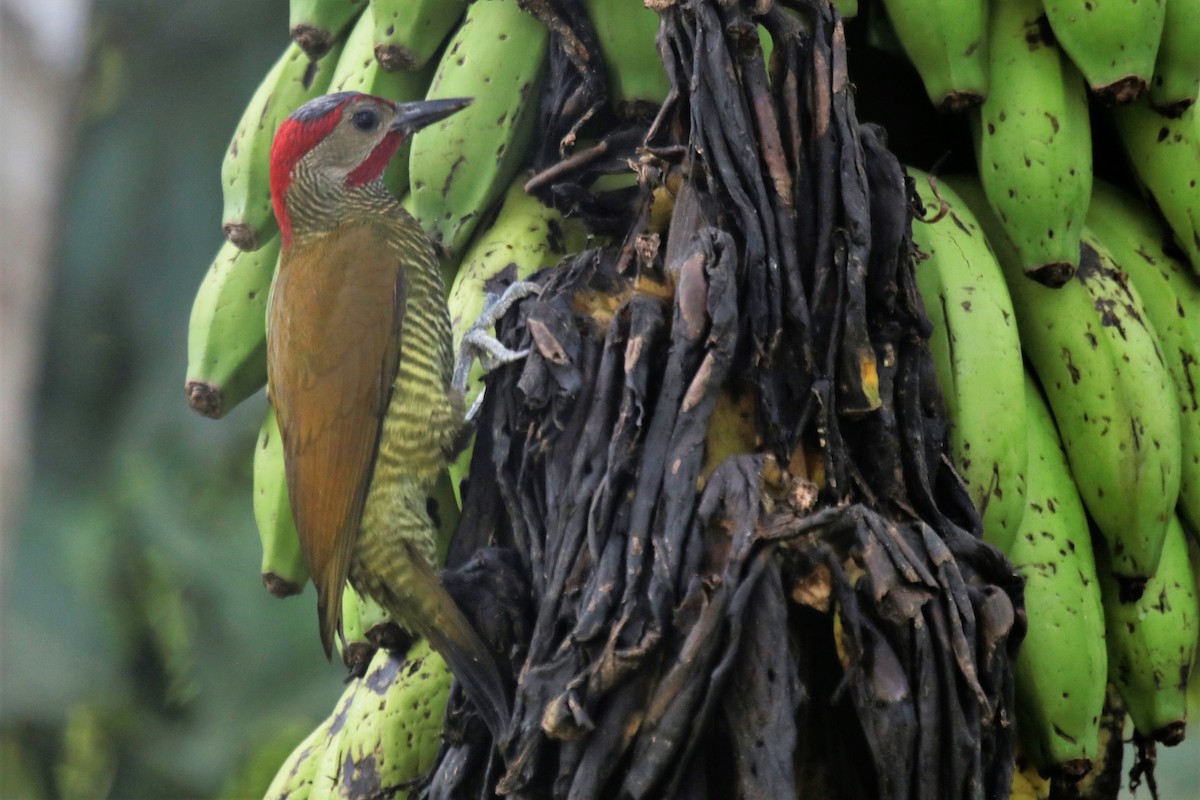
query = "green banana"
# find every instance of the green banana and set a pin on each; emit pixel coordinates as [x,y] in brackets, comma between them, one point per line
[1176,79]
[460,165]
[1033,142]
[977,353]
[947,42]
[626,29]
[526,236]
[1151,643]
[297,778]
[227,334]
[248,218]
[387,727]
[358,71]
[1166,156]
[1113,42]
[1112,397]
[315,24]
[408,32]
[284,571]
[356,649]
[1171,296]
[1062,668]
[847,8]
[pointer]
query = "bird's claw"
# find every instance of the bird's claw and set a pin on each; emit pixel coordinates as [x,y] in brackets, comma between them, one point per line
[477,342]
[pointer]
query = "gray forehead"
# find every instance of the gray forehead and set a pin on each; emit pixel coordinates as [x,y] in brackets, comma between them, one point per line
[320,106]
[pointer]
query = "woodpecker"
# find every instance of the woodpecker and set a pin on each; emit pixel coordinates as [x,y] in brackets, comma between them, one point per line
[359,372]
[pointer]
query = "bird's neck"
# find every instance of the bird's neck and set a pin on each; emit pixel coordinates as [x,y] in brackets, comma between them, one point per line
[315,207]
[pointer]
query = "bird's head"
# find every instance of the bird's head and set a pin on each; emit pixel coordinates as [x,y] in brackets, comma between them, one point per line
[344,140]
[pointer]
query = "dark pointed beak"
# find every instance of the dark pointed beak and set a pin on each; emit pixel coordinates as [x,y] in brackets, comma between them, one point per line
[411,117]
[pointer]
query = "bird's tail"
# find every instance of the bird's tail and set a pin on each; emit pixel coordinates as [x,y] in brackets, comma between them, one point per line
[403,583]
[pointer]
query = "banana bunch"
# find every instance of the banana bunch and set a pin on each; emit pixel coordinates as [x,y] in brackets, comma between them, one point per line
[1110,325]
[381,737]
[977,354]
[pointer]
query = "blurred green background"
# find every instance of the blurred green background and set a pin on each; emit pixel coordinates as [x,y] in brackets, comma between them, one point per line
[139,644]
[141,657]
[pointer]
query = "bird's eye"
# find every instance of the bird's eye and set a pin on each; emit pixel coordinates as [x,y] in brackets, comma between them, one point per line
[365,120]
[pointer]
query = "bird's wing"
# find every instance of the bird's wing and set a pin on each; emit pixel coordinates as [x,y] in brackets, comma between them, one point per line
[333,350]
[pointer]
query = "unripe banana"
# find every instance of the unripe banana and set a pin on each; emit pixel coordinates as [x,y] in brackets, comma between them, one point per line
[1171,296]
[388,725]
[1033,142]
[1112,397]
[525,237]
[248,217]
[408,32]
[626,29]
[460,165]
[227,333]
[358,71]
[1176,79]
[1113,42]
[947,41]
[1062,668]
[315,24]
[977,354]
[847,8]
[296,778]
[284,571]
[1166,156]
[353,644]
[1152,643]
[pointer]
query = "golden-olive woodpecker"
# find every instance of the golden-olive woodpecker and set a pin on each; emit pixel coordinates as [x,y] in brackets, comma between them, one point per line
[359,365]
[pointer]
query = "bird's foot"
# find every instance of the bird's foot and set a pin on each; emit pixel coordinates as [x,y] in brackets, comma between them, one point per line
[479,343]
